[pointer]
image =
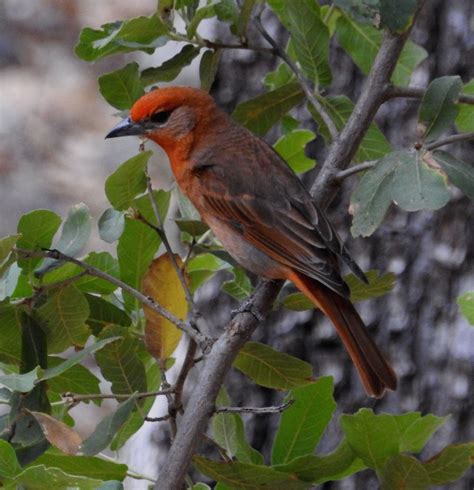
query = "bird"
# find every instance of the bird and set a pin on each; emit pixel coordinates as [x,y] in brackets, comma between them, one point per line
[258,209]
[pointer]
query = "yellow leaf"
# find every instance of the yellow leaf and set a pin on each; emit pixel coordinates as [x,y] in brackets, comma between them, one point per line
[162,283]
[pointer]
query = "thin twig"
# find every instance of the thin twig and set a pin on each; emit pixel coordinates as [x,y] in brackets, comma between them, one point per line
[61,284]
[256,410]
[355,169]
[201,339]
[455,138]
[207,43]
[157,419]
[305,84]
[186,367]
[161,232]
[393,91]
[73,398]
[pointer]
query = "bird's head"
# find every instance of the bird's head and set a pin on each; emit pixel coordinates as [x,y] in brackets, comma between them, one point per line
[169,116]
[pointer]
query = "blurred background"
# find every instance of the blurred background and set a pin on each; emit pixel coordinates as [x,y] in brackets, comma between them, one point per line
[53,155]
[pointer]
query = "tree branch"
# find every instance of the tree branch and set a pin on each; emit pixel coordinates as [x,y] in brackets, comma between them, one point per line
[392,92]
[305,84]
[201,339]
[343,150]
[201,404]
[455,138]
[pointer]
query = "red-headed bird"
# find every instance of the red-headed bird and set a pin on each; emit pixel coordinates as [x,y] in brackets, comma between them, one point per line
[259,210]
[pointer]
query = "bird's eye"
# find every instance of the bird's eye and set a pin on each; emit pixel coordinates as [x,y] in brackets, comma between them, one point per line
[160,117]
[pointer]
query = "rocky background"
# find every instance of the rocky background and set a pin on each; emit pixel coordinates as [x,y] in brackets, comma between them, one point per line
[52,155]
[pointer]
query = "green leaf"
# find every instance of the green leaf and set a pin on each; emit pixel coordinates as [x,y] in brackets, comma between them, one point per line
[107,428]
[202,13]
[6,245]
[76,230]
[403,471]
[240,286]
[111,225]
[408,178]
[466,305]
[208,68]
[244,18]
[76,379]
[372,196]
[23,383]
[272,369]
[303,423]
[397,14]
[379,285]
[240,476]
[228,431]
[375,438]
[459,173]
[362,43]
[105,314]
[195,228]
[171,68]
[64,315]
[262,112]
[100,260]
[364,11]
[137,418]
[121,88]
[417,434]
[137,34]
[75,234]
[37,230]
[291,147]
[39,477]
[127,181]
[437,109]
[450,464]
[202,267]
[75,359]
[465,117]
[10,334]
[136,248]
[417,185]
[9,466]
[120,364]
[279,77]
[309,37]
[88,466]
[374,145]
[339,464]
[145,208]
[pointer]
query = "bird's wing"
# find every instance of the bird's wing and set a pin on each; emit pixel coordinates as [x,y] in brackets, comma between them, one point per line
[267,205]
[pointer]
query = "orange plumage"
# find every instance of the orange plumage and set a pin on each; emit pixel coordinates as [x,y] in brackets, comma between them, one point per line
[258,209]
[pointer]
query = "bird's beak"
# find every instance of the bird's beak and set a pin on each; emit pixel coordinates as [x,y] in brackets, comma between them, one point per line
[126,128]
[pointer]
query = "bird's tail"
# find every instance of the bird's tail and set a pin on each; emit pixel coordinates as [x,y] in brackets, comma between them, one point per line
[375,372]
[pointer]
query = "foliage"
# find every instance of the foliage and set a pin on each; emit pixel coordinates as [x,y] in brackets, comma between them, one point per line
[49,303]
